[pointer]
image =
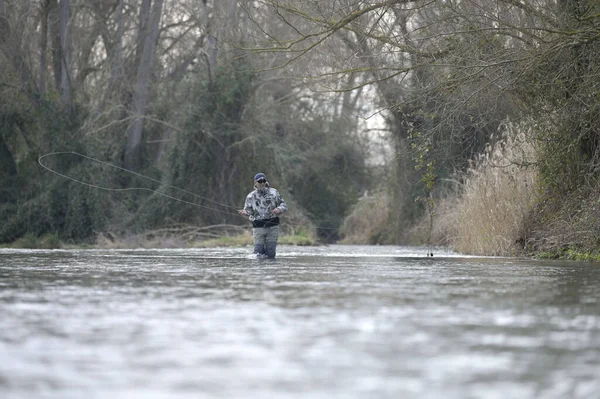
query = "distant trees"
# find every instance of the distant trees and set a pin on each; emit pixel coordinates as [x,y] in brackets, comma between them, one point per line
[164,88]
[448,73]
[148,30]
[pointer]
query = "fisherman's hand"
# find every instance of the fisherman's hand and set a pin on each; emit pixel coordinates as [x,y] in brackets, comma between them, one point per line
[277,211]
[243,213]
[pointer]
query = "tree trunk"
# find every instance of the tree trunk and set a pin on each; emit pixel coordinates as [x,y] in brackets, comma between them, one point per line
[11,46]
[210,50]
[44,45]
[150,27]
[116,70]
[66,51]
[4,26]
[144,20]
[8,166]
[54,25]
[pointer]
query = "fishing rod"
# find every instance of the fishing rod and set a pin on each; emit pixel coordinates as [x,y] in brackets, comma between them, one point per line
[156,191]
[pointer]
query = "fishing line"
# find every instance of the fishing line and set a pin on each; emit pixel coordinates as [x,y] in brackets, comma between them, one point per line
[143,188]
[134,188]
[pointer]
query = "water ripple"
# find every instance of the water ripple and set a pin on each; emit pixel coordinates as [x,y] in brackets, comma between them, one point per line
[340,321]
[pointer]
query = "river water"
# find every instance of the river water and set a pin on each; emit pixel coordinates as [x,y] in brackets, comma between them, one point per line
[317,322]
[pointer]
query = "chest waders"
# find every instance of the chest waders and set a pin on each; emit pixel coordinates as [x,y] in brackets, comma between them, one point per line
[265,240]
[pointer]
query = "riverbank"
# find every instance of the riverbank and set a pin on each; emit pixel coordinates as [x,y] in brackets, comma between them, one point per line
[104,241]
[111,241]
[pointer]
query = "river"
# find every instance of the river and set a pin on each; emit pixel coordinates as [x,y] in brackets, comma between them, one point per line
[317,322]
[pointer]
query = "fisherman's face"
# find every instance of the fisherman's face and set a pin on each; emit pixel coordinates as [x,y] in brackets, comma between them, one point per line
[261,183]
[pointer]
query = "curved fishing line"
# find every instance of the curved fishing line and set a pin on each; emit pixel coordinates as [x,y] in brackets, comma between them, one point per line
[133,188]
[146,189]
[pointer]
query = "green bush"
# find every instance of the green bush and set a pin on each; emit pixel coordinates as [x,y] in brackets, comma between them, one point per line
[30,241]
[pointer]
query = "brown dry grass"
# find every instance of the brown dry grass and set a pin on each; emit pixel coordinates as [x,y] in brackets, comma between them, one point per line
[488,216]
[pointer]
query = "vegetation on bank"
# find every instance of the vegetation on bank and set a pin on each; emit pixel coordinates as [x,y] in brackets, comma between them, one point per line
[104,241]
[48,241]
[486,138]
[246,240]
[487,211]
[499,206]
[571,254]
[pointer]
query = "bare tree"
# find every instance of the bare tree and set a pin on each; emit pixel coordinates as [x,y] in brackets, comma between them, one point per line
[14,46]
[65,53]
[148,35]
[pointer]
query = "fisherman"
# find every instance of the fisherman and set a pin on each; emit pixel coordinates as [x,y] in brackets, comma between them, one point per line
[263,207]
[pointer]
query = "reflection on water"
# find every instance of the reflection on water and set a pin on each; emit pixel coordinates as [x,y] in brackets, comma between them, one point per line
[335,321]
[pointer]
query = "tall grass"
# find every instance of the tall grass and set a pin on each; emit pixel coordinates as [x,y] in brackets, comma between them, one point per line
[488,215]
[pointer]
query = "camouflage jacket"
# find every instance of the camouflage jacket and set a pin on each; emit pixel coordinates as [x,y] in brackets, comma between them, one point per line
[260,204]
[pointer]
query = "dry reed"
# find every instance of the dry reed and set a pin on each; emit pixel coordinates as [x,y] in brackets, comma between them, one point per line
[496,193]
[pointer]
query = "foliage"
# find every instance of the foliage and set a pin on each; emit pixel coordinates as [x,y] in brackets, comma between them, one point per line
[41,203]
[566,222]
[327,177]
[571,254]
[299,239]
[47,241]
[207,156]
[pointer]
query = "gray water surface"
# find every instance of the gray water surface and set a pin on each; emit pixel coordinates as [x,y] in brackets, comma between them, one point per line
[322,322]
